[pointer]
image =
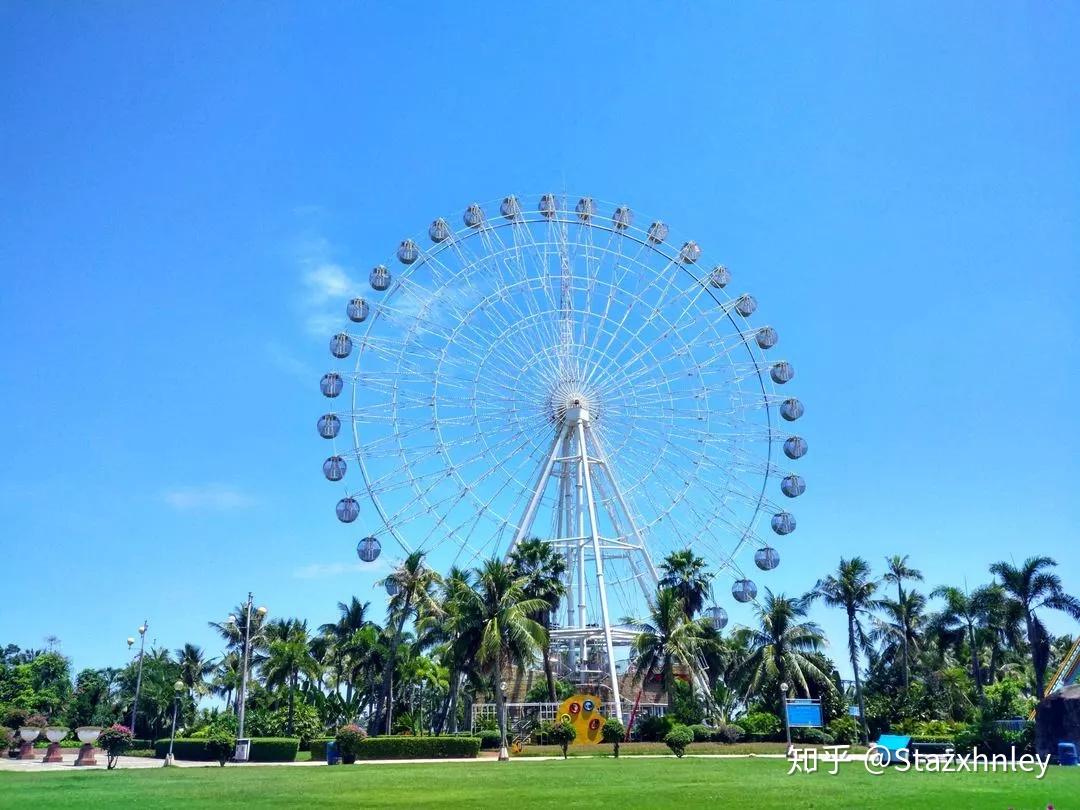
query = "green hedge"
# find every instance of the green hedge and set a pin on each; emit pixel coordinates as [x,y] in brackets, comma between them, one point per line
[489,740]
[263,749]
[419,748]
[318,748]
[274,749]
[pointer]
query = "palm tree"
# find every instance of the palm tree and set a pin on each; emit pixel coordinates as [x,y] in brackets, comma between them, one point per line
[668,639]
[353,617]
[782,645]
[500,608]
[1000,623]
[543,569]
[852,589]
[460,635]
[686,573]
[412,581]
[900,632]
[960,616]
[1032,587]
[897,571]
[195,668]
[288,657]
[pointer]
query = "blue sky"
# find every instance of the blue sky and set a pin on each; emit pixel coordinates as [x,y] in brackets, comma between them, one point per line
[189,190]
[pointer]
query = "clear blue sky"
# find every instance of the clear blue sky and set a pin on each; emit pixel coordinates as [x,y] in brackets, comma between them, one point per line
[898,185]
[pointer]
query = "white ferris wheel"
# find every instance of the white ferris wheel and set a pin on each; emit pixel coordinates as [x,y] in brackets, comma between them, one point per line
[563,371]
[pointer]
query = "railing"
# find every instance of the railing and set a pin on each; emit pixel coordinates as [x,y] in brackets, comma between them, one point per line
[517,712]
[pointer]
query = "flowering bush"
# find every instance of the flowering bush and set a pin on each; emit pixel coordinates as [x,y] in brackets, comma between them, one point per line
[114,741]
[348,742]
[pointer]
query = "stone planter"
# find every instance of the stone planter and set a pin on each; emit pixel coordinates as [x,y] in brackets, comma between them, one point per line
[87,736]
[28,734]
[54,734]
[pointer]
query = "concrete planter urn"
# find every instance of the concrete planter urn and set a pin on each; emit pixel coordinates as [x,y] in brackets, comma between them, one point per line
[87,736]
[54,734]
[28,734]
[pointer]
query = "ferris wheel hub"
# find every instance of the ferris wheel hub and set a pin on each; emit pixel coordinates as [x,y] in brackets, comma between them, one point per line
[571,402]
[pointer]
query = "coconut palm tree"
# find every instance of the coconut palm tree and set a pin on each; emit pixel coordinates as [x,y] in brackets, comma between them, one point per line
[500,608]
[781,645]
[288,658]
[668,639]
[900,631]
[897,571]
[459,634]
[542,568]
[1032,586]
[853,589]
[959,617]
[195,668]
[687,575]
[412,583]
[1001,630]
[353,616]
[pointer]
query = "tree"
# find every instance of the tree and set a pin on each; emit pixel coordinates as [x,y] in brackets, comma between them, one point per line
[669,638]
[563,734]
[1032,586]
[900,631]
[353,618]
[897,571]
[508,636]
[613,732]
[195,668]
[959,617]
[288,657]
[686,574]
[542,568]
[852,589]
[782,645]
[412,582]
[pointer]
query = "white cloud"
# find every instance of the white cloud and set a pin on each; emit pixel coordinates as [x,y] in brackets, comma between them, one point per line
[214,497]
[334,569]
[326,282]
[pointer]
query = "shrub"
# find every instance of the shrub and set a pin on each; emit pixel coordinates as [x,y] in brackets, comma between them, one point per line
[186,748]
[274,749]
[15,718]
[811,735]
[844,730]
[489,739]
[542,733]
[760,725]
[562,734]
[418,748]
[685,706]
[701,733]
[678,739]
[613,731]
[729,733]
[7,738]
[653,728]
[146,753]
[114,741]
[318,747]
[348,740]
[221,744]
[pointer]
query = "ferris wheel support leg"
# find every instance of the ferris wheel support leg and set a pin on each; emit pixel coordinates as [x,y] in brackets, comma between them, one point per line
[594,530]
[582,611]
[538,492]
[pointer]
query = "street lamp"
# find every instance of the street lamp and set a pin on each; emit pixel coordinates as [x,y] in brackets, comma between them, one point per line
[138,678]
[783,706]
[504,755]
[241,742]
[178,688]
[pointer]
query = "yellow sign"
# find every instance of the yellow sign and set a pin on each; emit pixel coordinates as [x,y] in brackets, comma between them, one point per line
[583,713]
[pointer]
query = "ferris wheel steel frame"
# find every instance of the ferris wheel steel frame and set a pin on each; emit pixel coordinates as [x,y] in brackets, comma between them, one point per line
[582,386]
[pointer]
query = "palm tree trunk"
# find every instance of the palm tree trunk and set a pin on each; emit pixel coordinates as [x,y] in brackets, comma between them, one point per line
[388,669]
[904,630]
[975,668]
[292,701]
[1034,640]
[858,680]
[500,704]
[546,650]
[669,686]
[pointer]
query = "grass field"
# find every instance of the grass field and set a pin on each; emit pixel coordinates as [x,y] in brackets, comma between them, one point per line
[624,783]
[637,748]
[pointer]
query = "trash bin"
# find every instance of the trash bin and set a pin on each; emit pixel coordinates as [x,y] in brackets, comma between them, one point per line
[1067,753]
[332,757]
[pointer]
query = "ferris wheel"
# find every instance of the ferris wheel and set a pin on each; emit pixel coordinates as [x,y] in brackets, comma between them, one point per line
[562,370]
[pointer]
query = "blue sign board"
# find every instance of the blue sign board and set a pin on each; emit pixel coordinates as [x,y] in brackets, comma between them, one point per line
[804,713]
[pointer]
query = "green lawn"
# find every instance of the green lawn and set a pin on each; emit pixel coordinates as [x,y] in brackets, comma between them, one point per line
[629,782]
[636,748]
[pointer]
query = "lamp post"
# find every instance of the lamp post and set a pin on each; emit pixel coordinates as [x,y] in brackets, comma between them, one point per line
[178,688]
[504,755]
[783,708]
[241,748]
[138,678]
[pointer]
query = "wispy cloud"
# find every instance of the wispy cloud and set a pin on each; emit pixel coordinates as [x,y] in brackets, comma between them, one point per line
[207,497]
[327,286]
[335,569]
